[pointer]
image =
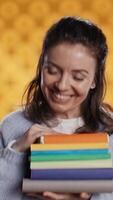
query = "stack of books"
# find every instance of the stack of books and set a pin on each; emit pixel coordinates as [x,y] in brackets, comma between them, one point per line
[71,163]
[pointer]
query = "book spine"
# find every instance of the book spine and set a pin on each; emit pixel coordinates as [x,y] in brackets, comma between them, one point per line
[69,146]
[69,157]
[76,138]
[92,186]
[72,164]
[67,152]
[72,174]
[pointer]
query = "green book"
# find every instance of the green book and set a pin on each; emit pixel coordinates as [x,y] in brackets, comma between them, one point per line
[69,157]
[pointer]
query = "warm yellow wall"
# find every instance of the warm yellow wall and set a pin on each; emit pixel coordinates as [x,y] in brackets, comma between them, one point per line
[22,26]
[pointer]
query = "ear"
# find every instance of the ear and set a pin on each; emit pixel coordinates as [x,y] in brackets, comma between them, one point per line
[93,85]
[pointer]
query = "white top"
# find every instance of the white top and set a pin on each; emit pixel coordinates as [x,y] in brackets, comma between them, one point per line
[68,126]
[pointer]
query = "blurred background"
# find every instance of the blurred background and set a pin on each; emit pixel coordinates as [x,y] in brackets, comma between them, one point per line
[23,24]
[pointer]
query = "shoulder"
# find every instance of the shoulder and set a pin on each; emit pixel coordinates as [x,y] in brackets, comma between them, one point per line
[16,115]
[14,125]
[15,118]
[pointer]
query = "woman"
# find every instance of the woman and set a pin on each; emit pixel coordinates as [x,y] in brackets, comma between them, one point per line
[65,95]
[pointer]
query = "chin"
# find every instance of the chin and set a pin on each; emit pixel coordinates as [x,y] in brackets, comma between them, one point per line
[59,109]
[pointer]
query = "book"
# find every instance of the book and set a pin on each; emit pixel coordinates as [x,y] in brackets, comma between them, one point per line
[69,157]
[72,164]
[62,146]
[72,174]
[68,152]
[76,138]
[70,186]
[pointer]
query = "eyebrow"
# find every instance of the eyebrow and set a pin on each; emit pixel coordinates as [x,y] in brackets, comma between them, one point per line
[52,63]
[74,70]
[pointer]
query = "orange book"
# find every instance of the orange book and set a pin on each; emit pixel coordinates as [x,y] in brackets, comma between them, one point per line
[99,137]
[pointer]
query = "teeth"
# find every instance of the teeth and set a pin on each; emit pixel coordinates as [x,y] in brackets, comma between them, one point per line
[62,97]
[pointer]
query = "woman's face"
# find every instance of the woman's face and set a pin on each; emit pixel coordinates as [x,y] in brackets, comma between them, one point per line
[67,76]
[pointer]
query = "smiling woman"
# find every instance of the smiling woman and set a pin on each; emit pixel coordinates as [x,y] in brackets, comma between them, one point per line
[66,95]
[67,76]
[70,77]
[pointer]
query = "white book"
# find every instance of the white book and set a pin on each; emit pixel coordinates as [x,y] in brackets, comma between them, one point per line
[64,186]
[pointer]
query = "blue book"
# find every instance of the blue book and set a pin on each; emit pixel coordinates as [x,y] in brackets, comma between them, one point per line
[68,152]
[72,174]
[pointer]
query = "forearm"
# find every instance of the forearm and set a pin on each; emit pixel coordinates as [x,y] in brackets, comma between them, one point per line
[11,165]
[11,174]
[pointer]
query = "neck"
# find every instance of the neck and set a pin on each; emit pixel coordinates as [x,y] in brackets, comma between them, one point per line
[67,115]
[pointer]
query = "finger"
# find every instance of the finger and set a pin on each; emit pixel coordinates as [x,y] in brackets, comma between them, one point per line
[41,130]
[53,195]
[85,195]
[65,196]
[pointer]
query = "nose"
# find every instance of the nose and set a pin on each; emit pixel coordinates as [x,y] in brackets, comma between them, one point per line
[63,83]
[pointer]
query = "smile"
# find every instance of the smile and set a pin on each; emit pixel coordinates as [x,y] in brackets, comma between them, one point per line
[59,98]
[62,97]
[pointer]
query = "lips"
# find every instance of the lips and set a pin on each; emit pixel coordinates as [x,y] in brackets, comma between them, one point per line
[60,98]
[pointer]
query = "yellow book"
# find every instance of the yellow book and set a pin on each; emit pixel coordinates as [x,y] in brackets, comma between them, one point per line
[35,147]
[72,164]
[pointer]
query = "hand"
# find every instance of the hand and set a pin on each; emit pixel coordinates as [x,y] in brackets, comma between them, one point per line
[55,196]
[30,137]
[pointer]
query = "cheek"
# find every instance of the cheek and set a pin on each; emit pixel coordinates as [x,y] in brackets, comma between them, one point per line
[46,81]
[82,90]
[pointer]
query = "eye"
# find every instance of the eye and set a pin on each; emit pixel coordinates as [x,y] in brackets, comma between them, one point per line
[52,70]
[78,77]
